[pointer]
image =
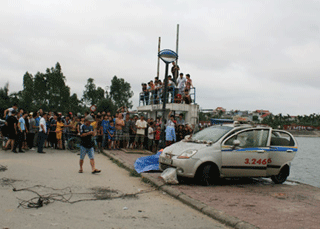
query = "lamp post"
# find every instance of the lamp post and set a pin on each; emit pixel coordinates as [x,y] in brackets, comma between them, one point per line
[167,56]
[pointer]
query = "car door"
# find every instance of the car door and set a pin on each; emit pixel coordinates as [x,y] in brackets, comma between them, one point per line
[250,157]
[283,148]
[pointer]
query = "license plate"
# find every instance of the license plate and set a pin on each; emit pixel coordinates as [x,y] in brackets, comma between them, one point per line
[167,161]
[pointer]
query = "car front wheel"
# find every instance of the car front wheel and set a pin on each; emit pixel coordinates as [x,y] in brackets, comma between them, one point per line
[207,175]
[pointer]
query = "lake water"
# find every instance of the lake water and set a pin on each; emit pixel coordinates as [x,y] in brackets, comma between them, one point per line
[305,165]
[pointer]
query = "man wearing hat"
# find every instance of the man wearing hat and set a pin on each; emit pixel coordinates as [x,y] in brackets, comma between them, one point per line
[87,144]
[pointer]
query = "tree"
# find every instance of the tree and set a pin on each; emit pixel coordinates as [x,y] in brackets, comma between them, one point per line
[27,92]
[5,101]
[16,97]
[58,93]
[255,118]
[91,94]
[203,116]
[40,92]
[106,104]
[120,92]
[74,104]
[99,94]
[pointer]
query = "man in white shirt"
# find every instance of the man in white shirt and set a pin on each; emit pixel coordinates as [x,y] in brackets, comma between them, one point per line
[8,112]
[181,82]
[141,126]
[171,88]
[151,132]
[42,132]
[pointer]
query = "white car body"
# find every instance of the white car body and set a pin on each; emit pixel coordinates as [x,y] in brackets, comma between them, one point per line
[239,151]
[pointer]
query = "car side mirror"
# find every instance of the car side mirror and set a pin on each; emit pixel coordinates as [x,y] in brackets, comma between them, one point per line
[236,142]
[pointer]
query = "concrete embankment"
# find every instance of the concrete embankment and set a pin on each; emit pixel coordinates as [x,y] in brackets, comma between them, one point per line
[242,203]
[305,133]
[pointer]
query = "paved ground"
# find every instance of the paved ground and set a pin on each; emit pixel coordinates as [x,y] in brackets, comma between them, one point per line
[258,202]
[150,208]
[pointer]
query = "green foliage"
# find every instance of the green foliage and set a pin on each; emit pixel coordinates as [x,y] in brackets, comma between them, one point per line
[5,100]
[106,104]
[44,90]
[204,116]
[120,92]
[4,96]
[58,93]
[91,94]
[74,104]
[49,91]
[40,91]
[27,93]
[279,120]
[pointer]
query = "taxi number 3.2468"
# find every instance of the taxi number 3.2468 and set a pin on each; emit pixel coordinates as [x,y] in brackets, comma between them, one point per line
[254,161]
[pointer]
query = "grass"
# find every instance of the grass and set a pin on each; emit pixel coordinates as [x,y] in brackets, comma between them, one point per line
[132,172]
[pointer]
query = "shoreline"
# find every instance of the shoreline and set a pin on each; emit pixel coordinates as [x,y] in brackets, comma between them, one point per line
[305,133]
[306,136]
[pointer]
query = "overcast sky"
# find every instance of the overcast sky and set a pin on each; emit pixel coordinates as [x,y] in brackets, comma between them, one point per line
[243,55]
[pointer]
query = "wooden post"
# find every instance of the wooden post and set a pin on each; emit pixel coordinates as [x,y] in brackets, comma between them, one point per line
[158,57]
[177,42]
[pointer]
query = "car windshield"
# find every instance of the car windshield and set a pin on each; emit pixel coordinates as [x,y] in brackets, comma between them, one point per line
[211,134]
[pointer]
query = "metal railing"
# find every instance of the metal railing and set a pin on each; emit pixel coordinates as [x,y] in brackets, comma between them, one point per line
[156,97]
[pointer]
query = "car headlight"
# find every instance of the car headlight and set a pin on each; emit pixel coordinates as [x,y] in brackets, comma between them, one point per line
[187,154]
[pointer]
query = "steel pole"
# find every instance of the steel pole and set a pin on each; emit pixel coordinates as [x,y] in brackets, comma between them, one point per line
[164,104]
[158,57]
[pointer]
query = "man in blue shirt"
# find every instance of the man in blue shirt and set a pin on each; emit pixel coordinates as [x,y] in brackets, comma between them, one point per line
[87,144]
[36,135]
[105,125]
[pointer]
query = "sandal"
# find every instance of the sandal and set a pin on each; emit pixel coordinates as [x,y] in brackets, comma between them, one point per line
[80,171]
[96,171]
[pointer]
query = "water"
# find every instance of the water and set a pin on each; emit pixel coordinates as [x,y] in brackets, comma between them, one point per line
[305,165]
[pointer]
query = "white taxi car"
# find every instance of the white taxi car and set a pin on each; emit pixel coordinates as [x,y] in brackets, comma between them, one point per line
[232,151]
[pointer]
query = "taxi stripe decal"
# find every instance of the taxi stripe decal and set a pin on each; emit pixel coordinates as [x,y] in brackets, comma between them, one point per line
[272,148]
[245,167]
[252,167]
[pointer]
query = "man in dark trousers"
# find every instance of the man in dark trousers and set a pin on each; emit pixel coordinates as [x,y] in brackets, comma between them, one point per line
[175,71]
[12,122]
[21,129]
[42,132]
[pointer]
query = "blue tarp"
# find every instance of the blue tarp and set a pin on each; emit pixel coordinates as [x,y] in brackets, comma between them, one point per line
[148,163]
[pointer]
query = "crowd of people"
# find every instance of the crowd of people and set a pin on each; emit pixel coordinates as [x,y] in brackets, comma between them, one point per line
[25,130]
[178,90]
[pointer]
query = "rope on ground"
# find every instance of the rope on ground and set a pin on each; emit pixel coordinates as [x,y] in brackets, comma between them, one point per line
[66,194]
[3,168]
[6,181]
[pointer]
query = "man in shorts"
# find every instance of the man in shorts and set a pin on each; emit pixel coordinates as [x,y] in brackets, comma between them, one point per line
[119,124]
[141,126]
[87,145]
[126,131]
[133,130]
[12,123]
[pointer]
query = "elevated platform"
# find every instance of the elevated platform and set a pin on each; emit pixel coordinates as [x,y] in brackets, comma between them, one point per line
[190,111]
